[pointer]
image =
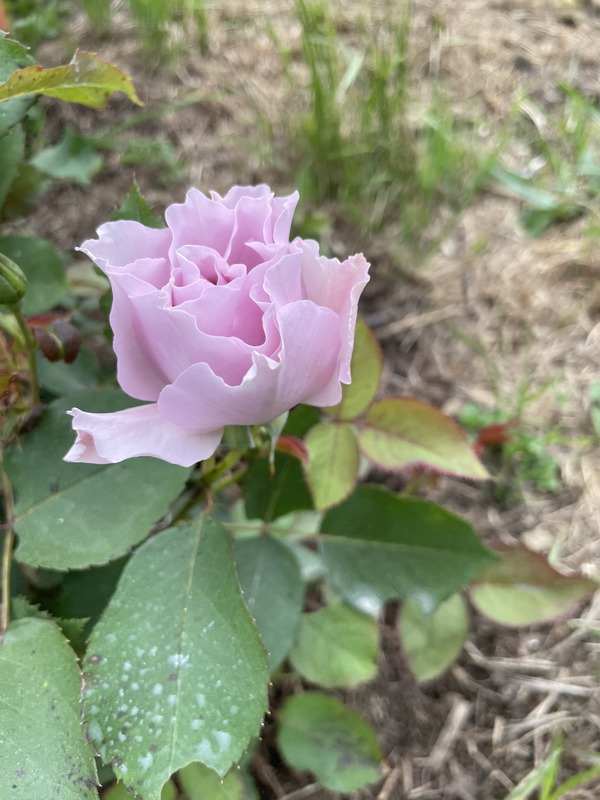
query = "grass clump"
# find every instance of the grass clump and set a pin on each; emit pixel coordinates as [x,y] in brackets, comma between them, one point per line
[359,141]
[562,179]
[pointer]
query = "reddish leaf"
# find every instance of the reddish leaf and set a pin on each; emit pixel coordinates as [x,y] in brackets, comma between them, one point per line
[522,588]
[402,433]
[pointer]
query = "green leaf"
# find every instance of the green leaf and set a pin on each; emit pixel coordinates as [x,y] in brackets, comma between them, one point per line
[86,592]
[522,588]
[402,432]
[268,496]
[59,377]
[12,56]
[43,267]
[87,80]
[431,642]
[332,469]
[119,792]
[273,590]
[378,546]
[137,209]
[365,367]
[69,516]
[12,148]
[200,783]
[537,220]
[320,734]
[74,158]
[176,671]
[72,628]
[336,646]
[25,191]
[43,750]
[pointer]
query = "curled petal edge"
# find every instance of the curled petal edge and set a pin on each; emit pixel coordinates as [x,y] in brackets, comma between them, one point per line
[138,431]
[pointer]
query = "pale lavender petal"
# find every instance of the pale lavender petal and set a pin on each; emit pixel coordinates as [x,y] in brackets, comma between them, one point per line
[123,243]
[138,431]
[199,220]
[199,400]
[231,199]
[155,342]
[336,285]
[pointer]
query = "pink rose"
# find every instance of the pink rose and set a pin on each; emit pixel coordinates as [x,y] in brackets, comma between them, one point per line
[218,320]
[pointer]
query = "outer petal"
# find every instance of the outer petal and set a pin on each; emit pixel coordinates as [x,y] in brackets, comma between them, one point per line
[138,431]
[123,243]
[307,366]
[327,282]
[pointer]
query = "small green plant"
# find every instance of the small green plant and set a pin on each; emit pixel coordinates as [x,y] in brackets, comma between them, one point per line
[516,455]
[543,778]
[562,180]
[32,22]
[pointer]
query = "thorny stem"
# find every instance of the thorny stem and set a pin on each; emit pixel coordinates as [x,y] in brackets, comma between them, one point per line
[31,346]
[9,540]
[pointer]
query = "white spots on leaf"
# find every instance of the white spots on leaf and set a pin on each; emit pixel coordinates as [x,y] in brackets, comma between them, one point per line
[157,689]
[201,700]
[127,666]
[123,769]
[140,653]
[134,711]
[178,660]
[204,752]
[135,686]
[171,699]
[146,761]
[121,737]
[111,638]
[153,650]
[197,724]
[223,740]
[234,709]
[94,731]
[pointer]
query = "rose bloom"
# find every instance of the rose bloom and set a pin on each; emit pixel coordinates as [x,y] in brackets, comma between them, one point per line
[218,320]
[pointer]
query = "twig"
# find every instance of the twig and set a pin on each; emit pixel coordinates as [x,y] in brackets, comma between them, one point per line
[390,784]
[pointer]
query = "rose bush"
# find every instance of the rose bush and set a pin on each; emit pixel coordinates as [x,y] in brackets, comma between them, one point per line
[219,319]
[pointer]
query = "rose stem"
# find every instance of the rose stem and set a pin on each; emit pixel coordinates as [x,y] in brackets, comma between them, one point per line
[9,539]
[31,346]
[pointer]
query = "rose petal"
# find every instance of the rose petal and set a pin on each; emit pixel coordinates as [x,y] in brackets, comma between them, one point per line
[199,220]
[308,367]
[123,243]
[138,431]
[155,342]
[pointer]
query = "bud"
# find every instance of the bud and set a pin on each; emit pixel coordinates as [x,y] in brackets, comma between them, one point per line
[13,283]
[59,341]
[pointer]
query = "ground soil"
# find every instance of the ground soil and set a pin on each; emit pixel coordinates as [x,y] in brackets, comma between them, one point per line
[489,312]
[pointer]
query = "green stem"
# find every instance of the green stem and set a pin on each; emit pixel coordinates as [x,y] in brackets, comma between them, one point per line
[227,464]
[31,345]
[9,540]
